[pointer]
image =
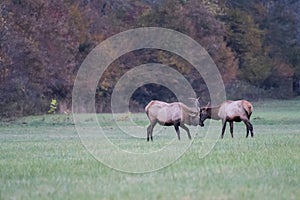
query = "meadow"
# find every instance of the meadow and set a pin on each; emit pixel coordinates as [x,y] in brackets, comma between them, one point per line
[43,157]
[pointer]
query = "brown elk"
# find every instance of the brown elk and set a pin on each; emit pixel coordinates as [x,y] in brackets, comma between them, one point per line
[174,114]
[229,111]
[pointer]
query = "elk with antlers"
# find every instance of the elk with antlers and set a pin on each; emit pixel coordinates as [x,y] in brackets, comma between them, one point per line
[174,114]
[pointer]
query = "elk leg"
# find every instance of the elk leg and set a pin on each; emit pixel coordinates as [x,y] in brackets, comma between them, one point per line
[176,125]
[223,128]
[247,127]
[187,130]
[251,129]
[231,128]
[150,131]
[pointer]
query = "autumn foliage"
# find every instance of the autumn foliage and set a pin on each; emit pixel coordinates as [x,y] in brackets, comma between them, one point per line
[43,43]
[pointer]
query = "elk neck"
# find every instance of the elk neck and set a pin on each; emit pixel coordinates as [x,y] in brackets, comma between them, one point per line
[214,112]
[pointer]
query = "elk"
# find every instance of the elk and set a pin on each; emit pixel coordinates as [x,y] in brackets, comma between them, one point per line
[229,111]
[174,114]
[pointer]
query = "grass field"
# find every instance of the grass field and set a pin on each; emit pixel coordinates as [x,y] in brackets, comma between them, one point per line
[42,157]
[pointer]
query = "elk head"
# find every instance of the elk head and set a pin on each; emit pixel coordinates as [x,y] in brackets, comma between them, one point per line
[205,113]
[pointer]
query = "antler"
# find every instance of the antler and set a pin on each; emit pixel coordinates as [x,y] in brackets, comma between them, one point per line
[196,102]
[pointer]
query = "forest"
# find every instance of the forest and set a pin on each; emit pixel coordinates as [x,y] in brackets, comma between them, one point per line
[255,45]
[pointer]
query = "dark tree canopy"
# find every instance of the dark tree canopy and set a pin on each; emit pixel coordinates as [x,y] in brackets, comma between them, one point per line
[43,43]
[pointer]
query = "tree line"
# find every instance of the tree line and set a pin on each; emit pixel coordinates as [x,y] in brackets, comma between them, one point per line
[255,45]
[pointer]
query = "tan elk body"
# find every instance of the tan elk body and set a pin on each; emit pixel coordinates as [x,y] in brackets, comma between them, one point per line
[229,111]
[174,114]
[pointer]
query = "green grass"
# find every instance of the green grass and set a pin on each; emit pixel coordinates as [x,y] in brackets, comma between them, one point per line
[42,157]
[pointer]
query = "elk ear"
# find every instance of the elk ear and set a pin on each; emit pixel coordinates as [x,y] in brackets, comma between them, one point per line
[196,102]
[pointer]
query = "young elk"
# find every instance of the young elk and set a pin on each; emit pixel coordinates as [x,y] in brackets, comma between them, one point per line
[229,111]
[174,114]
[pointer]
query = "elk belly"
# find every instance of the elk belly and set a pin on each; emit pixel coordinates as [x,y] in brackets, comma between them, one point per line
[169,123]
